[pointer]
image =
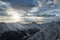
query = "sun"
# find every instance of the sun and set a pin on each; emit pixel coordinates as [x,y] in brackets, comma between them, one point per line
[15,16]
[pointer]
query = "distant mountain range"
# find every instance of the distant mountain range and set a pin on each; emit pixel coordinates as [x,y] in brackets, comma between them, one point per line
[33,26]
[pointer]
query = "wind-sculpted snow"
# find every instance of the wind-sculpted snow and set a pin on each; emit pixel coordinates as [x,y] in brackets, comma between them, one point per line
[34,31]
[45,34]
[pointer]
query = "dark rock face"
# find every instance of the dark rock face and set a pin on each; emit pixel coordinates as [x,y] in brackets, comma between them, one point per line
[18,35]
[46,34]
[33,31]
[47,31]
[13,35]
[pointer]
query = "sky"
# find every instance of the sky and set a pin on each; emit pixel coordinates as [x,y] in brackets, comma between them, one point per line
[13,10]
[57,2]
[26,3]
[21,3]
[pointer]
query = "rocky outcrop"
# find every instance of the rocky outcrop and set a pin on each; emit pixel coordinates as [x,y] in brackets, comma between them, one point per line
[33,31]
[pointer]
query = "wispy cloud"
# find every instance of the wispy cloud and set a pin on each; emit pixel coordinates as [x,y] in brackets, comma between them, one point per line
[3,8]
[21,3]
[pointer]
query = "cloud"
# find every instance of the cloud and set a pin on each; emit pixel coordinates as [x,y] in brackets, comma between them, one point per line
[3,8]
[57,2]
[21,3]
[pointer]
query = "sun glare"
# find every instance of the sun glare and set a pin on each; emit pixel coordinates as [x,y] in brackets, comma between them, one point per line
[15,16]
